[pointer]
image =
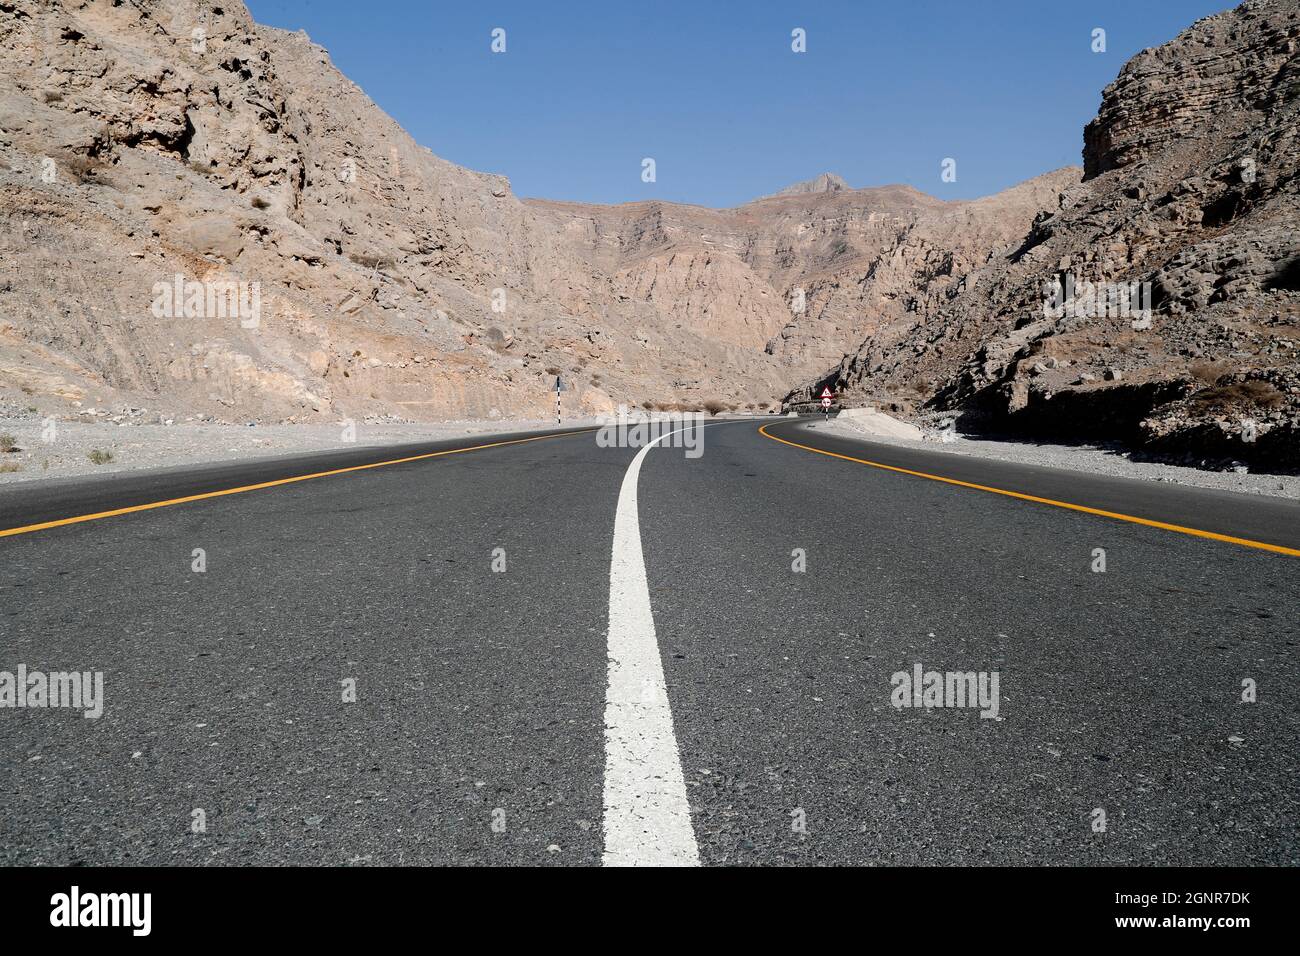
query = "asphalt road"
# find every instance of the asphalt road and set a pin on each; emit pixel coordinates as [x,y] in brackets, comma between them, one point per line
[487,713]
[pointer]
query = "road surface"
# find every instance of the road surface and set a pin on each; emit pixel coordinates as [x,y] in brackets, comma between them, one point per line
[702,672]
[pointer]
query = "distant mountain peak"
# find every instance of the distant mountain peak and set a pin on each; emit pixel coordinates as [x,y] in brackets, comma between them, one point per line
[825,183]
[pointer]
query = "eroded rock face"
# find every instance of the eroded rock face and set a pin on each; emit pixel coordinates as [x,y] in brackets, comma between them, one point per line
[172,144]
[825,183]
[142,145]
[1190,186]
[1214,82]
[798,277]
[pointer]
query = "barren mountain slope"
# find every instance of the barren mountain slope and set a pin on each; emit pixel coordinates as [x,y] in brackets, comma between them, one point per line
[136,150]
[1190,185]
[149,140]
[158,145]
[862,258]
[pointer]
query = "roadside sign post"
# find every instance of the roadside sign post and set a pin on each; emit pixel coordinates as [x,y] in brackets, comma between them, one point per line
[558,386]
[827,398]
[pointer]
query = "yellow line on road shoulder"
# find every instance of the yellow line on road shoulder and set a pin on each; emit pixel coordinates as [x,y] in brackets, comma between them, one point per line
[1196,532]
[27,529]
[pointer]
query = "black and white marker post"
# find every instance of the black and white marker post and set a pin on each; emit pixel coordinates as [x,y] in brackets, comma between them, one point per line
[558,386]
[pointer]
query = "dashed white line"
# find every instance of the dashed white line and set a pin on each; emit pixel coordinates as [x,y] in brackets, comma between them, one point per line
[647,816]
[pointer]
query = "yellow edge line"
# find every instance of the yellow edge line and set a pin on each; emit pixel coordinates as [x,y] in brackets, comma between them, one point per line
[1246,542]
[27,529]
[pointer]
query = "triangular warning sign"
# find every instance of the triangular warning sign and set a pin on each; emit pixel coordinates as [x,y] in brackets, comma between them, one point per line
[826,392]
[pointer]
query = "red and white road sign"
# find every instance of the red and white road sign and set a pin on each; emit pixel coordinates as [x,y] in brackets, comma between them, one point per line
[826,396]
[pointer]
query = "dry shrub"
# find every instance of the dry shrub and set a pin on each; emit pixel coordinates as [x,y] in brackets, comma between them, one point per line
[370,260]
[1253,392]
[1208,372]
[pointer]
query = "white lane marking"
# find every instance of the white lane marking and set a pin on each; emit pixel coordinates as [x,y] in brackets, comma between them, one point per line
[647,816]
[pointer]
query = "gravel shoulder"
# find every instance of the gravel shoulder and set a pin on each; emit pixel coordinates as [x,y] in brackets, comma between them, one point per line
[1090,459]
[66,450]
[44,450]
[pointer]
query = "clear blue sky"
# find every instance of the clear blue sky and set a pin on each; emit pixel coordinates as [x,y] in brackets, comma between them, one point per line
[712,91]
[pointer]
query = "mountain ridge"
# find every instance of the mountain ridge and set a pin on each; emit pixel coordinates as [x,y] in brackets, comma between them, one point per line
[395,284]
[1191,191]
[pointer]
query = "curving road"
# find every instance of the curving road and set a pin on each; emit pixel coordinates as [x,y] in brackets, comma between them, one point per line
[701,673]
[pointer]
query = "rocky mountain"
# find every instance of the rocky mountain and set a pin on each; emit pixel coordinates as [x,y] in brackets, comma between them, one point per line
[1191,193]
[147,142]
[787,281]
[159,159]
[825,183]
[203,219]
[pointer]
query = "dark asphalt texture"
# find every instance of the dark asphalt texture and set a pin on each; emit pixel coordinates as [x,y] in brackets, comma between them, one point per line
[475,690]
[479,691]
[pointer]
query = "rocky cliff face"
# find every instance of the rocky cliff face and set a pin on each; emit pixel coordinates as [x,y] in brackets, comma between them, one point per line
[1191,188]
[156,153]
[793,279]
[825,183]
[141,142]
